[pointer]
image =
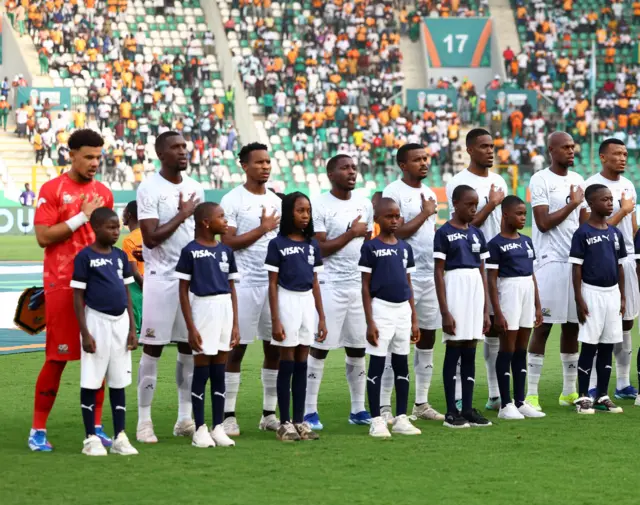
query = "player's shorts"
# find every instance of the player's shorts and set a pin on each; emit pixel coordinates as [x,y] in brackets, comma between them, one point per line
[555,286]
[426,302]
[254,315]
[604,322]
[465,298]
[162,320]
[297,310]
[112,359]
[631,294]
[393,321]
[213,318]
[62,342]
[517,301]
[346,324]
[136,303]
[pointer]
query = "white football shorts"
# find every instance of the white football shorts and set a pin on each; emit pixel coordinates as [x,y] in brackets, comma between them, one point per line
[555,286]
[517,301]
[631,294]
[604,322]
[426,302]
[393,321]
[254,315]
[297,311]
[162,320]
[344,312]
[213,318]
[112,359]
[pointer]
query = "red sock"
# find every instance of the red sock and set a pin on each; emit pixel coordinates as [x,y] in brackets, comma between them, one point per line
[99,403]
[47,387]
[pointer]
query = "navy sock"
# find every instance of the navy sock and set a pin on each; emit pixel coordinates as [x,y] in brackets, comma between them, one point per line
[400,364]
[216,371]
[638,368]
[603,366]
[299,390]
[198,386]
[283,385]
[449,372]
[374,383]
[503,373]
[118,409]
[585,363]
[519,374]
[88,405]
[468,376]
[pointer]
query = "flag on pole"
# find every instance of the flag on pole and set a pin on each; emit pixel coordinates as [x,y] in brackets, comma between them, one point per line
[593,68]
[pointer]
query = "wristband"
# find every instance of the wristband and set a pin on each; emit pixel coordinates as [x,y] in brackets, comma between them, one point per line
[77,221]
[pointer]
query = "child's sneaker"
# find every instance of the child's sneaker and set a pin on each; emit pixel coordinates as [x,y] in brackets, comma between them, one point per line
[92,446]
[510,413]
[269,423]
[528,411]
[231,427]
[386,414]
[202,439]
[604,404]
[402,426]
[455,420]
[287,432]
[220,438]
[584,405]
[427,412]
[122,446]
[38,441]
[145,433]
[378,428]
[476,419]
[305,432]
[184,428]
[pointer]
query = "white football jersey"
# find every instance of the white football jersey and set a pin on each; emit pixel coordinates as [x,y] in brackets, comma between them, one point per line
[158,198]
[243,211]
[334,217]
[553,190]
[410,202]
[482,185]
[618,187]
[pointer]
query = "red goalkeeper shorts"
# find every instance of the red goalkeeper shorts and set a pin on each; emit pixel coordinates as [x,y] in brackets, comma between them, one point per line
[63,332]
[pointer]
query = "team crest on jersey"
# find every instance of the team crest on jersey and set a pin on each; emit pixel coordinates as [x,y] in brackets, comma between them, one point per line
[529,250]
[405,261]
[475,247]
[311,259]
[224,263]
[67,198]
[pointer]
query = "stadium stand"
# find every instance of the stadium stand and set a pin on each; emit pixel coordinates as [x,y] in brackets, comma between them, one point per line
[134,69]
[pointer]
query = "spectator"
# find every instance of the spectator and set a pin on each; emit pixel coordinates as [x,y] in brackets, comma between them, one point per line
[27,197]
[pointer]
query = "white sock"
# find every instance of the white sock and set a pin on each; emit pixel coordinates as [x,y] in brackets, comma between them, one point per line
[593,378]
[315,370]
[387,383]
[357,380]
[491,348]
[569,372]
[622,352]
[534,365]
[184,376]
[423,368]
[458,383]
[232,385]
[147,379]
[269,389]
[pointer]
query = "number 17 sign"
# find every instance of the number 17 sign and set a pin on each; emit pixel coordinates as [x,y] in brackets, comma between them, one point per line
[456,42]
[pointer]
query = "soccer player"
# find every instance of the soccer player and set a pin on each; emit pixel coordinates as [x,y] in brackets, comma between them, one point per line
[491,189]
[103,309]
[293,262]
[132,246]
[613,156]
[254,216]
[64,207]
[342,221]
[556,197]
[207,272]
[386,263]
[516,304]
[597,254]
[459,251]
[166,203]
[418,209]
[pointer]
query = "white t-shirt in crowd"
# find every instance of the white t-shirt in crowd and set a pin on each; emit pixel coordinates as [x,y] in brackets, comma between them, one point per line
[158,199]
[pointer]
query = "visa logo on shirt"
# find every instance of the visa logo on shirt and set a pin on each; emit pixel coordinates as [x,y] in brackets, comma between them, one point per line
[385,252]
[456,236]
[292,250]
[510,247]
[100,262]
[597,240]
[203,254]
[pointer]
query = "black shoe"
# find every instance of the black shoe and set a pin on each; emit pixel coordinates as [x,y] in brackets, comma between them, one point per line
[475,418]
[455,420]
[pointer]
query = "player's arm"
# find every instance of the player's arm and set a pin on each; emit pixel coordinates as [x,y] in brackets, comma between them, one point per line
[317,297]
[132,343]
[583,310]
[409,228]
[49,232]
[487,320]
[627,206]
[136,273]
[235,331]
[129,247]
[88,343]
[496,195]
[237,242]
[546,220]
[356,229]
[538,306]
[195,340]
[448,323]
[276,324]
[154,234]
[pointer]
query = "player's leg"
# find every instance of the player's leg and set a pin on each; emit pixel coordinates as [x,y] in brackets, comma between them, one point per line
[201,373]
[468,371]
[508,409]
[452,418]
[519,373]
[184,427]
[569,347]
[623,351]
[386,390]
[335,302]
[353,339]
[535,360]
[287,431]
[269,372]
[147,382]
[299,388]
[217,374]
[491,348]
